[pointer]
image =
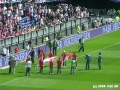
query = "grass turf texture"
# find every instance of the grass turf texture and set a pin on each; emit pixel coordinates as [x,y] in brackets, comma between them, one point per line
[108,44]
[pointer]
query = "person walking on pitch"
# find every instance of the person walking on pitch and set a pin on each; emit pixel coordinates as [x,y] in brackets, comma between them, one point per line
[81,44]
[73,66]
[59,64]
[80,41]
[99,60]
[88,59]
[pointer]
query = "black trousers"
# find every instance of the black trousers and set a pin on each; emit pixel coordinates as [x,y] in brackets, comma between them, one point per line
[27,71]
[87,65]
[99,65]
[41,69]
[55,50]
[50,48]
[32,59]
[10,71]
[81,47]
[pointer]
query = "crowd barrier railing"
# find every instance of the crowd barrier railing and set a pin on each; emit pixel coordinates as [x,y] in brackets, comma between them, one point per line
[37,37]
[72,39]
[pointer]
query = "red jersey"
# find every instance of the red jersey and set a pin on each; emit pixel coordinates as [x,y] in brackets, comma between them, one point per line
[41,64]
[43,56]
[16,50]
[40,55]
[27,59]
[63,55]
[51,63]
[40,49]
[16,33]
[59,63]
[50,54]
[74,57]
[28,14]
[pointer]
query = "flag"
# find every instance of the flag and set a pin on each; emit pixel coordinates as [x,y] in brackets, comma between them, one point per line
[68,56]
[47,60]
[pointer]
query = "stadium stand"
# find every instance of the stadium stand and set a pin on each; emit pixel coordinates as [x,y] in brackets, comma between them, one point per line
[18,19]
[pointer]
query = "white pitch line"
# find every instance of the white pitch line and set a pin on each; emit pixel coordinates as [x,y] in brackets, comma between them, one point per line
[47,68]
[104,48]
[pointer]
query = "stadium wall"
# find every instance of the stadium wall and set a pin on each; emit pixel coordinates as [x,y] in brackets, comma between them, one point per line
[65,42]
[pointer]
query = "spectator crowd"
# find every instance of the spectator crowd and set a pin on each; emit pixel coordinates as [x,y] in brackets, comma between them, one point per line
[13,17]
[22,18]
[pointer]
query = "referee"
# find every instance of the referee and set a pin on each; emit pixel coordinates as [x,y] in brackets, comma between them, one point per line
[82,44]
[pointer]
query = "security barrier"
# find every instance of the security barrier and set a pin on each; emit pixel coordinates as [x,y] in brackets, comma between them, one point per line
[21,56]
[68,28]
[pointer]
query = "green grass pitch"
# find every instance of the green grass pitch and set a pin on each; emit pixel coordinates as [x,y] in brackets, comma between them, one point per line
[106,79]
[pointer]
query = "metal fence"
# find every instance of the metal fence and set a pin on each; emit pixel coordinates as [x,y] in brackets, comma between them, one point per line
[38,36]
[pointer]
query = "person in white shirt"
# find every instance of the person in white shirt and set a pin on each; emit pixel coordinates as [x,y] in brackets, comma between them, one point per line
[87,14]
[16,11]
[4,8]
[9,13]
[21,12]
[28,66]
[27,47]
[4,50]
[20,5]
[7,51]
[49,10]
[81,14]
[77,9]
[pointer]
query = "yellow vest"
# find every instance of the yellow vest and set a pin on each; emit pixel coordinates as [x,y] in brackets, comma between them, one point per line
[45,40]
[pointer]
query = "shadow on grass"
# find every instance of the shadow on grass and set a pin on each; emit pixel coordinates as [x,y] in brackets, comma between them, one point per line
[21,72]
[66,74]
[5,73]
[41,73]
[94,69]
[81,70]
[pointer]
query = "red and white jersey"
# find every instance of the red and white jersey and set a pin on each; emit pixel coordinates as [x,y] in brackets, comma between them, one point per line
[63,55]
[40,56]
